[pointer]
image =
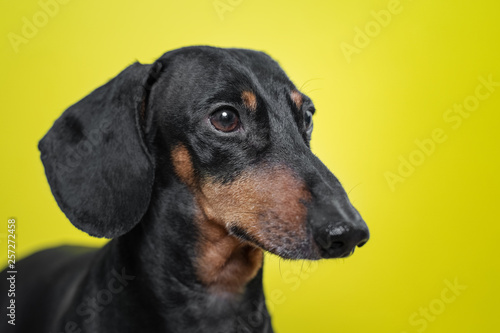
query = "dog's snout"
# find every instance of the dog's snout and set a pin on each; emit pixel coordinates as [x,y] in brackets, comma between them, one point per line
[337,227]
[338,240]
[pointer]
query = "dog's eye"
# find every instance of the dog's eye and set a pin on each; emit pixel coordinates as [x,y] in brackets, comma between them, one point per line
[308,120]
[225,120]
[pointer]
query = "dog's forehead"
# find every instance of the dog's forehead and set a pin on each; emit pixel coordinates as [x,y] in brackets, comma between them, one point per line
[227,69]
[197,80]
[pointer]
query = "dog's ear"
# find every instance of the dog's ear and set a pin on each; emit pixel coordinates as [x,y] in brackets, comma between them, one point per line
[95,157]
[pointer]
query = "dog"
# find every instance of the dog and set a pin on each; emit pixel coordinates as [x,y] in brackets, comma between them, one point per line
[193,166]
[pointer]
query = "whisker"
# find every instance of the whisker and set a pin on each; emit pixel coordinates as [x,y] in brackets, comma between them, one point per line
[249,213]
[310,91]
[313,79]
[354,187]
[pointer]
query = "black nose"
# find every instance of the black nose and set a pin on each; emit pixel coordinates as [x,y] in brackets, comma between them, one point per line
[338,240]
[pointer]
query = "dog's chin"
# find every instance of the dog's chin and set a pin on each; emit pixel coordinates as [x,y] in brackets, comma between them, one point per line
[334,254]
[303,251]
[292,251]
[295,249]
[299,253]
[310,253]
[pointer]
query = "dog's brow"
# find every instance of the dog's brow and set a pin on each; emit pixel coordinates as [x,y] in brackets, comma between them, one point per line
[297,98]
[249,99]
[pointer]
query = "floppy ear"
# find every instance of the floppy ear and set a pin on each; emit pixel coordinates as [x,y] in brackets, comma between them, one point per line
[96,161]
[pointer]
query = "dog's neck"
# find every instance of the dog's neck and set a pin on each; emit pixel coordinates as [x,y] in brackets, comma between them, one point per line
[200,273]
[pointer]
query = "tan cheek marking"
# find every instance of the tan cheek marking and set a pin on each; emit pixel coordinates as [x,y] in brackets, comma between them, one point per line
[183,166]
[258,197]
[224,263]
[263,198]
[296,98]
[249,99]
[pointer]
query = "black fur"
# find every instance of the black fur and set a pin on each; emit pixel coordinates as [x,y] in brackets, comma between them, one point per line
[108,162]
[96,150]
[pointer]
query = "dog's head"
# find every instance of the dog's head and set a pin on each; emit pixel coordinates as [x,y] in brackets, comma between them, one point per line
[226,123]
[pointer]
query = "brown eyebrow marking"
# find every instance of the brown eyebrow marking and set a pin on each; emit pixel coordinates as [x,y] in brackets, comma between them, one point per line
[249,99]
[297,98]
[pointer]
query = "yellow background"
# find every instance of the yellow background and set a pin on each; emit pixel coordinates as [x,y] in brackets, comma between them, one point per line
[441,224]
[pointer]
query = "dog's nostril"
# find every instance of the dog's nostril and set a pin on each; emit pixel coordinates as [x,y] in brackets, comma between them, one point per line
[339,240]
[336,245]
[363,242]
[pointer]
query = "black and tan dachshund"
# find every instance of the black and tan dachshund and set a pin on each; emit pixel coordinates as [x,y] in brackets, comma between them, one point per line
[193,165]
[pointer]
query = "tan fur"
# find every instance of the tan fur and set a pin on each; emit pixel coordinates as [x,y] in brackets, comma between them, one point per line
[297,98]
[267,203]
[257,196]
[183,166]
[225,263]
[249,99]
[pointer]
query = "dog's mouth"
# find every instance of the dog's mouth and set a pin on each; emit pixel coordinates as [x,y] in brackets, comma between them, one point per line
[301,243]
[328,254]
[292,245]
